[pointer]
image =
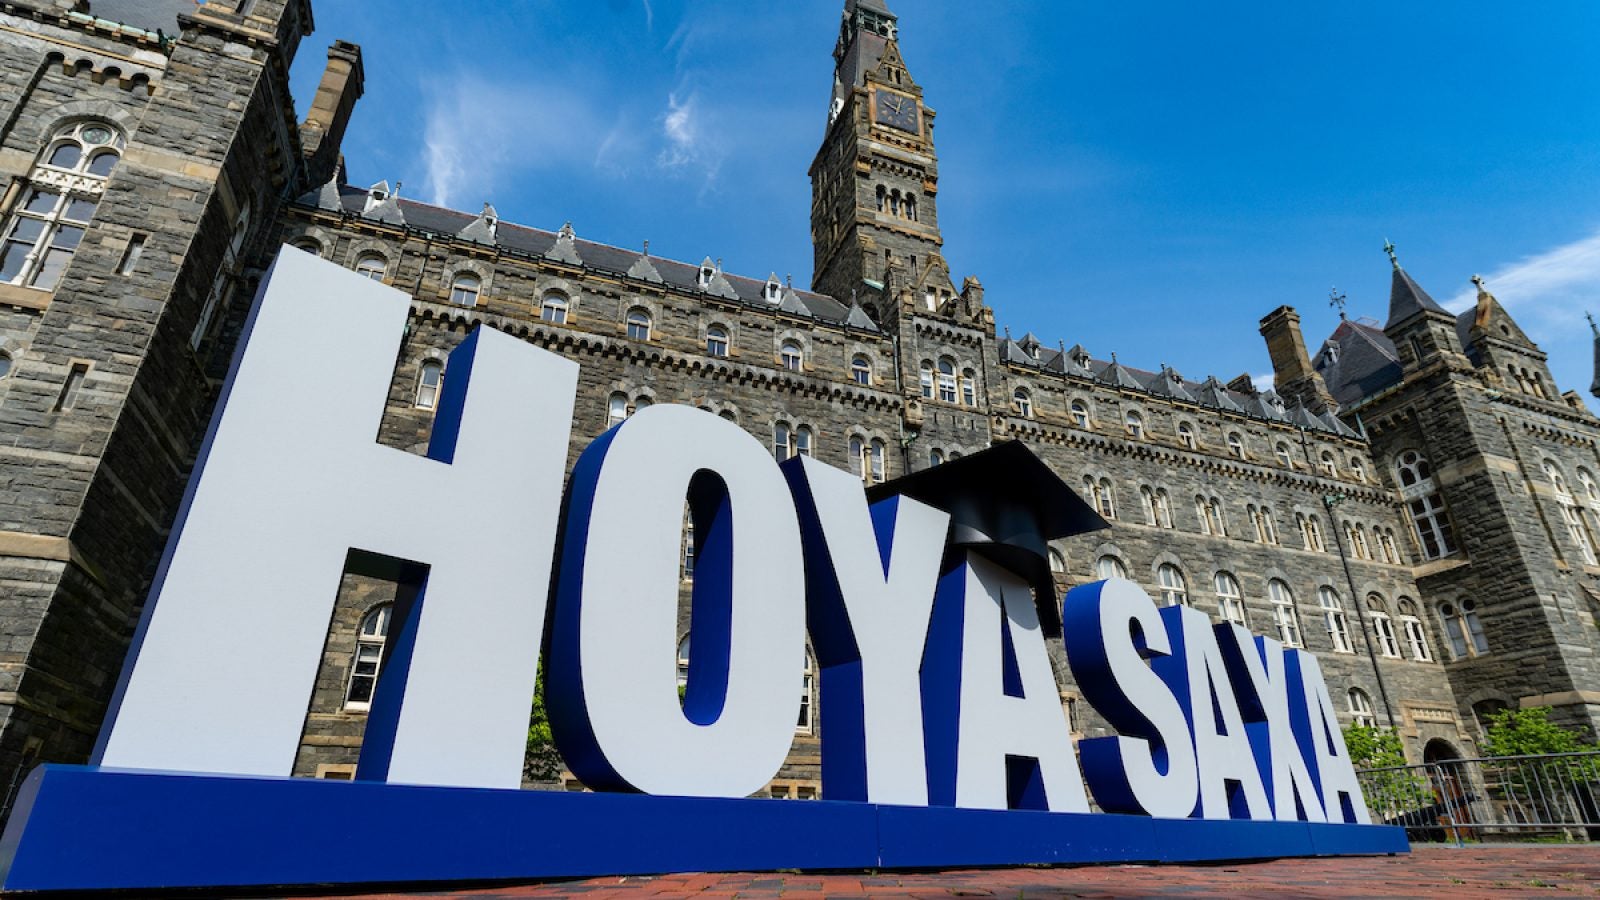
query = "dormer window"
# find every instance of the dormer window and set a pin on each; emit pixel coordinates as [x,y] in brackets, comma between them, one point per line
[773,292]
[707,272]
[1330,355]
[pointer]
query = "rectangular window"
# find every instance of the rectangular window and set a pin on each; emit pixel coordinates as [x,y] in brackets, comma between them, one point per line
[130,255]
[69,389]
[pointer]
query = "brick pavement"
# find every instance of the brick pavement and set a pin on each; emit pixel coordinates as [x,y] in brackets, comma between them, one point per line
[1433,872]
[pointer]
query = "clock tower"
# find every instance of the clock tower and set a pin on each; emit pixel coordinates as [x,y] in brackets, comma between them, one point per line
[875,181]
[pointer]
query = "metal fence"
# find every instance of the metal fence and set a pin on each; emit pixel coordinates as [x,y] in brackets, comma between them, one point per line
[1553,796]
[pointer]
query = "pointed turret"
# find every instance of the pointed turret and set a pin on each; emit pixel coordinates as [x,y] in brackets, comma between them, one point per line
[1595,388]
[1422,331]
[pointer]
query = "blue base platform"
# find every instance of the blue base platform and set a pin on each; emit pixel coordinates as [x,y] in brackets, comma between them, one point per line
[81,828]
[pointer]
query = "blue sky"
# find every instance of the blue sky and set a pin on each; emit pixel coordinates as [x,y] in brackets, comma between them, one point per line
[1147,177]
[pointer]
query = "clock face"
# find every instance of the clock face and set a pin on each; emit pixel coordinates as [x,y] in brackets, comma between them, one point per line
[897,111]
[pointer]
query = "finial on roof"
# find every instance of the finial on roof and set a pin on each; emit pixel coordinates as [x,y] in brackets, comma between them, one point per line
[1592,326]
[1337,300]
[1478,280]
[1113,357]
[788,279]
[1008,332]
[646,247]
[1388,247]
[397,185]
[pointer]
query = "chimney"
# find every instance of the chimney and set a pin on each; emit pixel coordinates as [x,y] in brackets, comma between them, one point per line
[1293,376]
[323,131]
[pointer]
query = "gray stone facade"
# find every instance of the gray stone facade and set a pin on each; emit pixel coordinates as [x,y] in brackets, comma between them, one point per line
[1234,500]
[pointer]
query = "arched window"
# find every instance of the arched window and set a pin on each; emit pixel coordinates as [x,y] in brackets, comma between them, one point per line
[1382,627]
[1135,425]
[947,381]
[57,203]
[1311,532]
[927,380]
[883,196]
[1022,403]
[554,308]
[969,387]
[683,661]
[1333,619]
[1288,624]
[1266,529]
[5,364]
[1174,590]
[935,457]
[616,410]
[1157,506]
[1209,511]
[1058,562]
[1461,625]
[1411,624]
[879,473]
[1186,435]
[1110,567]
[640,403]
[802,440]
[867,457]
[1575,517]
[1080,413]
[638,324]
[782,441]
[861,370]
[716,341]
[368,658]
[464,289]
[309,245]
[1230,601]
[1285,458]
[371,265]
[792,357]
[1098,493]
[1387,543]
[911,207]
[1361,709]
[1428,515]
[1358,469]
[1235,445]
[430,376]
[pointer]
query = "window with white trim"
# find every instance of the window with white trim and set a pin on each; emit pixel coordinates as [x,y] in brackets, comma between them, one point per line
[1058,562]
[1157,506]
[1327,464]
[1411,625]
[1022,403]
[1230,600]
[1261,519]
[1174,590]
[1098,493]
[372,265]
[638,324]
[1572,515]
[430,378]
[464,289]
[1382,627]
[58,201]
[935,457]
[716,341]
[1235,445]
[1209,511]
[1333,619]
[861,370]
[1110,567]
[1186,435]
[1283,615]
[1361,709]
[867,458]
[1462,627]
[792,357]
[616,409]
[554,308]
[1311,532]
[368,658]
[969,387]
[1134,423]
[926,380]
[1428,515]
[947,381]
[1080,413]
[790,441]
[1285,458]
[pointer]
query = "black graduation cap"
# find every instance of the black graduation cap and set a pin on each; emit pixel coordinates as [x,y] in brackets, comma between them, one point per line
[1006,504]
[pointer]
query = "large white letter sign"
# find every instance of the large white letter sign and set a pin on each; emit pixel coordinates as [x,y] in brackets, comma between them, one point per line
[611,677]
[1255,665]
[289,481]
[1011,745]
[1316,728]
[1111,628]
[870,576]
[1230,783]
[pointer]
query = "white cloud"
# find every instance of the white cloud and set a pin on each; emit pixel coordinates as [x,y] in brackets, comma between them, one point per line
[1546,291]
[479,134]
[684,148]
[1264,382]
[649,17]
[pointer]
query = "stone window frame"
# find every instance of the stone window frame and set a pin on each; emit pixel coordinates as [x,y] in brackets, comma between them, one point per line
[1424,502]
[430,355]
[1075,401]
[1284,454]
[1167,562]
[631,395]
[1237,596]
[68,184]
[547,285]
[1287,606]
[324,240]
[1022,401]
[363,641]
[458,267]
[13,350]
[862,369]
[1359,707]
[791,444]
[1335,618]
[729,337]
[1113,552]
[1468,633]
[871,465]
[1308,522]
[364,247]
[1411,625]
[1100,493]
[1234,440]
[1133,416]
[1188,434]
[802,343]
[947,384]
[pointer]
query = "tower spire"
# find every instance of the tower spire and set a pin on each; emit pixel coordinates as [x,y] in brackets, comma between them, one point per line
[1595,388]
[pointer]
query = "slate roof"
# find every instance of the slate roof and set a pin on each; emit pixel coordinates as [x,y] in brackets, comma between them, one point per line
[1168,384]
[1407,298]
[149,15]
[1358,360]
[535,242]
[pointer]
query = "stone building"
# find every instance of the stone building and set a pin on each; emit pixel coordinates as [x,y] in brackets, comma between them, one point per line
[1416,503]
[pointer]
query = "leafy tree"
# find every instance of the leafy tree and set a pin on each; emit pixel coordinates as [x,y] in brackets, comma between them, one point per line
[1373,748]
[1525,732]
[542,762]
[1391,790]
